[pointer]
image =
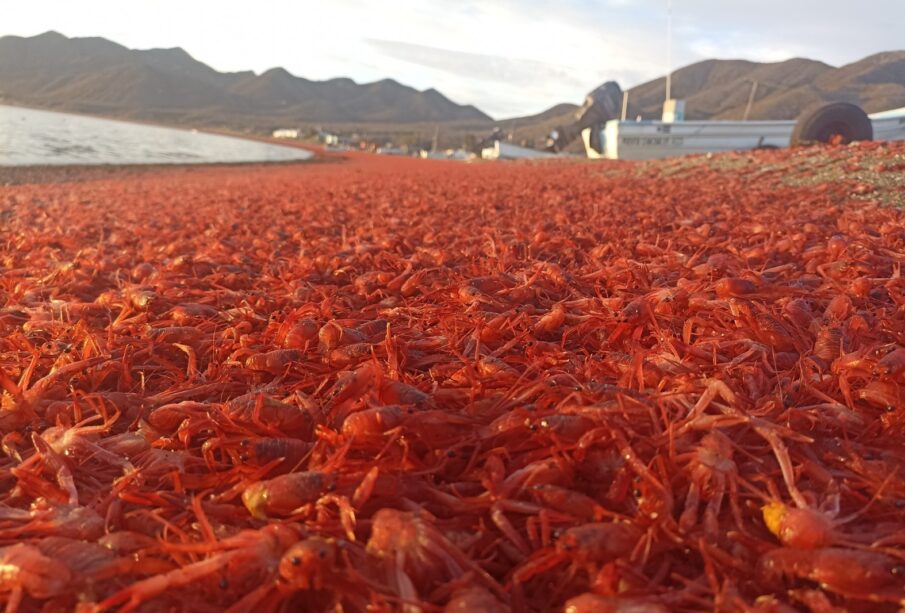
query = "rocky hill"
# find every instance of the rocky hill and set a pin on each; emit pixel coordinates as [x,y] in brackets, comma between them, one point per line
[719,89]
[96,75]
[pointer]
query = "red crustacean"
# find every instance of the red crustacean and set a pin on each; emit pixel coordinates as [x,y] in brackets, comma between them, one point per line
[307,570]
[275,362]
[249,551]
[593,603]
[587,546]
[382,383]
[418,555]
[863,575]
[26,569]
[63,569]
[286,493]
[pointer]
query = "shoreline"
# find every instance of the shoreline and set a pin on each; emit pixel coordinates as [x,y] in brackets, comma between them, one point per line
[157,124]
[316,150]
[874,174]
[77,173]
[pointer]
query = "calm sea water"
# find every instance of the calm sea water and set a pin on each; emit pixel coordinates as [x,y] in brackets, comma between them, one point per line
[30,137]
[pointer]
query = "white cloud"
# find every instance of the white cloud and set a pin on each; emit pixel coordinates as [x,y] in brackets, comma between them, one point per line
[508,57]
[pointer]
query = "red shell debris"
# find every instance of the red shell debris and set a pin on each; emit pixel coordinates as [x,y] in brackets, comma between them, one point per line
[394,385]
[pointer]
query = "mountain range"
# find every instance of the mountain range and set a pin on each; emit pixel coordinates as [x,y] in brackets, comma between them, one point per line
[95,75]
[719,89]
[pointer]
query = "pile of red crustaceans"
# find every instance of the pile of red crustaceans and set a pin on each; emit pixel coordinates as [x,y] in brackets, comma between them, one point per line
[394,385]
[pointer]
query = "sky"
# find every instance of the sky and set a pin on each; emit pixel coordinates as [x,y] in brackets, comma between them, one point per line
[507,57]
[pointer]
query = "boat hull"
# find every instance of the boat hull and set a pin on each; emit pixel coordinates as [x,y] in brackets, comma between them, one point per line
[648,140]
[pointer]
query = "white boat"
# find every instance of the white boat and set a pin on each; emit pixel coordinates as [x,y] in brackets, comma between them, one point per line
[647,140]
[449,154]
[889,125]
[506,151]
[610,138]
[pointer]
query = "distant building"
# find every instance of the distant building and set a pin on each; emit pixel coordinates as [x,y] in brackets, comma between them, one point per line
[449,154]
[286,133]
[390,150]
[507,151]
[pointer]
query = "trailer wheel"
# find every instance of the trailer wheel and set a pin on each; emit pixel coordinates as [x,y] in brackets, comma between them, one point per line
[837,123]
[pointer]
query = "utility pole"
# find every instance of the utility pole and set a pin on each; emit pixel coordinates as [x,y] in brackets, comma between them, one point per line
[668,49]
[624,104]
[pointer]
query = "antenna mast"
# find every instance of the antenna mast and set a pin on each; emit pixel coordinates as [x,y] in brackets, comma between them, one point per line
[668,49]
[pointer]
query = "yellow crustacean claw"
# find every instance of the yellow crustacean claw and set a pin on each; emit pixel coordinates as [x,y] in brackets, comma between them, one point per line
[255,500]
[774,513]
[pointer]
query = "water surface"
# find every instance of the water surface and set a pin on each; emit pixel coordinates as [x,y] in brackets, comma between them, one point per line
[30,137]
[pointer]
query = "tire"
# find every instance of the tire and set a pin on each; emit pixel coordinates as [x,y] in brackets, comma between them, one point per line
[836,123]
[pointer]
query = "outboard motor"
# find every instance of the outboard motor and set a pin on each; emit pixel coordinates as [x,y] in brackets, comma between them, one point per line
[600,106]
[487,141]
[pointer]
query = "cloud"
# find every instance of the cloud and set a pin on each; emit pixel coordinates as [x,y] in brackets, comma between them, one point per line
[512,80]
[507,85]
[475,65]
[463,75]
[834,31]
